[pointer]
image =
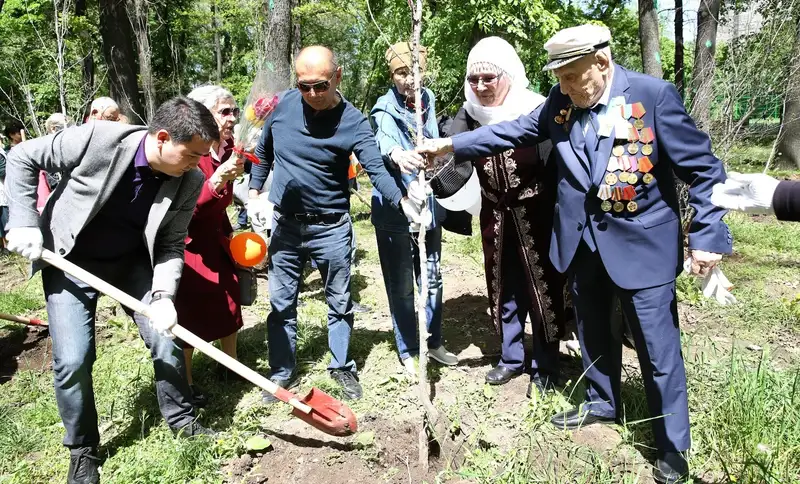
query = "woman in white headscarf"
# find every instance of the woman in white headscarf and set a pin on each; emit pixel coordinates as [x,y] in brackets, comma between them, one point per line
[518,191]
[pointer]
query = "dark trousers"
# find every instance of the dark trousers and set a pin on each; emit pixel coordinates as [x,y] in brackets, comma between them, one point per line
[515,306]
[291,245]
[71,307]
[653,318]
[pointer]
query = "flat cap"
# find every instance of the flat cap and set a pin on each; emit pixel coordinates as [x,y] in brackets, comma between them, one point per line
[571,44]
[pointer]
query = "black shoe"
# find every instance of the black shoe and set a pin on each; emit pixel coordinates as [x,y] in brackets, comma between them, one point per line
[267,398]
[349,383]
[500,375]
[671,468]
[541,385]
[194,429]
[198,397]
[83,466]
[360,308]
[578,417]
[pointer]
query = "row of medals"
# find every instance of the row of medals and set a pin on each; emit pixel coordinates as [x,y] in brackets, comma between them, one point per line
[627,165]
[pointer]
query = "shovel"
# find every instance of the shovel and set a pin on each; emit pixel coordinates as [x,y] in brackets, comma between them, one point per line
[23,320]
[317,409]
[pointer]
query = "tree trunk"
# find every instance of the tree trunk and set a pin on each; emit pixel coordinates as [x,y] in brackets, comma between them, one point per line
[115,29]
[297,38]
[88,61]
[1,5]
[215,23]
[277,43]
[138,15]
[680,77]
[704,62]
[649,38]
[788,149]
[60,29]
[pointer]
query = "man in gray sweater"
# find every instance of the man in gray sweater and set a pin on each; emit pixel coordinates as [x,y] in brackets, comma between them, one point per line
[121,212]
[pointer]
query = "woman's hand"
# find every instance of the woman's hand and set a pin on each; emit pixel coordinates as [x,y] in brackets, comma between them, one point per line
[226,172]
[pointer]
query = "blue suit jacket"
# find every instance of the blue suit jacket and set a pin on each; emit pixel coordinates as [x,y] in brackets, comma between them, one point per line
[640,249]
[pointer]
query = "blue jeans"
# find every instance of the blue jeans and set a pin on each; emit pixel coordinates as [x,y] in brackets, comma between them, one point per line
[399,254]
[291,245]
[71,307]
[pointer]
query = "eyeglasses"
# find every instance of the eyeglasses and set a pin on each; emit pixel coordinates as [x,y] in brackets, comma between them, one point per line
[487,80]
[228,111]
[321,86]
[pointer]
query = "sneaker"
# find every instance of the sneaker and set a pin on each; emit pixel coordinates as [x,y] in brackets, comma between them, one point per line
[349,383]
[443,356]
[267,398]
[194,429]
[198,397]
[84,466]
[410,369]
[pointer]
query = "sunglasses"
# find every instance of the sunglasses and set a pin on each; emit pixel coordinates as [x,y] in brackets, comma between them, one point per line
[228,111]
[487,80]
[321,86]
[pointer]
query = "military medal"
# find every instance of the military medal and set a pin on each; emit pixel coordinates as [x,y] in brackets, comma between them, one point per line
[611,178]
[647,178]
[637,111]
[632,206]
[632,178]
[618,150]
[647,137]
[563,117]
[645,165]
[559,119]
[625,162]
[619,207]
[604,193]
[628,193]
[613,164]
[623,177]
[633,148]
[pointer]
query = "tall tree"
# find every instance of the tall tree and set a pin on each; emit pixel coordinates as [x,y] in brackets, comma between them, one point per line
[115,29]
[649,38]
[788,149]
[704,61]
[278,41]
[680,76]
[215,26]
[138,13]
[87,64]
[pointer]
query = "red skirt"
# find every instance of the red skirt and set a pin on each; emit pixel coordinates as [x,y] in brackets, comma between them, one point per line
[208,299]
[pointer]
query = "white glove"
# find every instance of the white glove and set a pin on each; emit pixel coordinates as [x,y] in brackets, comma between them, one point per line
[407,161]
[163,316]
[416,214]
[256,210]
[751,193]
[418,193]
[26,241]
[715,285]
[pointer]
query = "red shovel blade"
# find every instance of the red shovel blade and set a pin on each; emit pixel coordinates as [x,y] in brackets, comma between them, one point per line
[327,414]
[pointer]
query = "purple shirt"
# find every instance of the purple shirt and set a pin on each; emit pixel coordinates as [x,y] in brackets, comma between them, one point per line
[118,228]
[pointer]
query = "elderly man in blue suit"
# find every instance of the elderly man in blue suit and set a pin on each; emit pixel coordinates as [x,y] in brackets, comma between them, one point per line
[620,136]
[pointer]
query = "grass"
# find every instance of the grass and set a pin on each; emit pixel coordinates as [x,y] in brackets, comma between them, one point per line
[744,404]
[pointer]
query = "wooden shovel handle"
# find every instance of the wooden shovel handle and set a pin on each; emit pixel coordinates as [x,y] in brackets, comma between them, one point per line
[179,331]
[23,320]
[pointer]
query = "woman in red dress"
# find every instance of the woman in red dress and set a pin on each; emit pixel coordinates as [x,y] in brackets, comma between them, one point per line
[208,299]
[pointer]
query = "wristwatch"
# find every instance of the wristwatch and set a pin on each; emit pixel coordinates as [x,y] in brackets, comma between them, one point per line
[160,295]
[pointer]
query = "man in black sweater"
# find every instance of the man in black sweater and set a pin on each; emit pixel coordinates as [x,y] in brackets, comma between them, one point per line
[308,139]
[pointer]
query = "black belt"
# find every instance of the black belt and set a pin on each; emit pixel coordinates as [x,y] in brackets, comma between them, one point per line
[314,218]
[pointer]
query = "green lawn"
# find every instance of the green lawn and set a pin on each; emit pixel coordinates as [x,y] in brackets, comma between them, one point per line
[745,403]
